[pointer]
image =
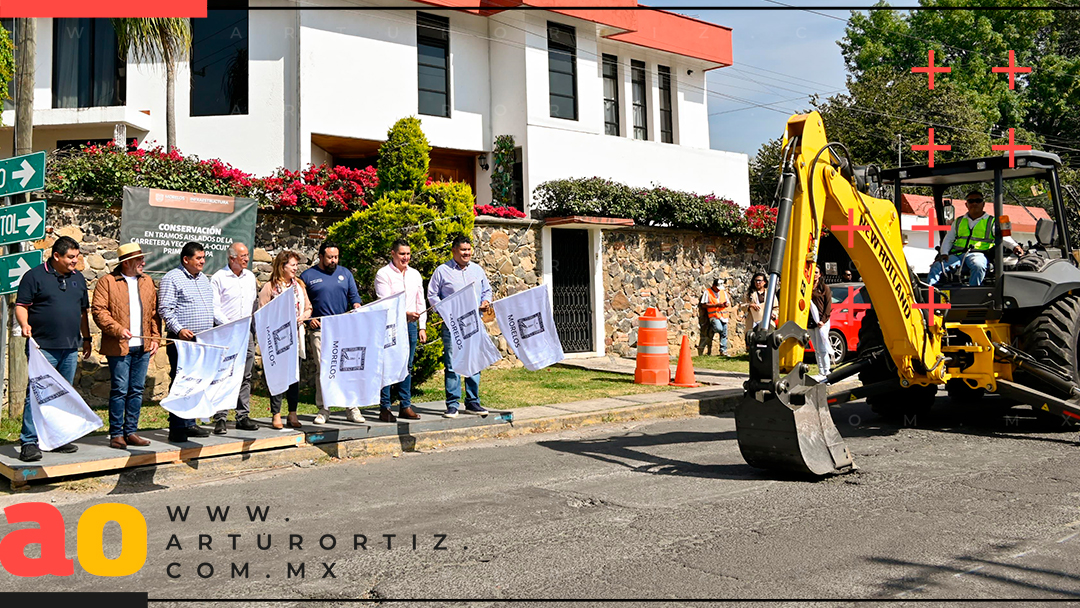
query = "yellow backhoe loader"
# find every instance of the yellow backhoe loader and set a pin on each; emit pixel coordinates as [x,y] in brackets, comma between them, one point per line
[1017,334]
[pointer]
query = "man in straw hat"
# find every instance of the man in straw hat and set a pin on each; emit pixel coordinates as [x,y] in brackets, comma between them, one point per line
[125,308]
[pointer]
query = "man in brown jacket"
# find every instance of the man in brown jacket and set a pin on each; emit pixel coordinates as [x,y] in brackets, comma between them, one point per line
[125,308]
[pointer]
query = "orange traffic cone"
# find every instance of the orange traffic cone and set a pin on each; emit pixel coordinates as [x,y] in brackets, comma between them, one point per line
[684,373]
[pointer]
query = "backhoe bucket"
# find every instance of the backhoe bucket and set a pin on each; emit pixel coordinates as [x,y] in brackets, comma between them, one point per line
[792,438]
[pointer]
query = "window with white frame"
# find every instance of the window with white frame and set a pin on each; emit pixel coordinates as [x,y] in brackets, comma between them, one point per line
[562,71]
[611,94]
[639,85]
[667,130]
[433,64]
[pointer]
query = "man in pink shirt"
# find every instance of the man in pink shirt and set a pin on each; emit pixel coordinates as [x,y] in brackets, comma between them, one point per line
[393,279]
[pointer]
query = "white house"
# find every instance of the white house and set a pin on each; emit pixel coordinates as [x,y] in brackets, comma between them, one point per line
[616,94]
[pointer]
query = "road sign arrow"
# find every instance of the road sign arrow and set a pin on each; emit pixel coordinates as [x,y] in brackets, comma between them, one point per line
[24,174]
[31,221]
[21,268]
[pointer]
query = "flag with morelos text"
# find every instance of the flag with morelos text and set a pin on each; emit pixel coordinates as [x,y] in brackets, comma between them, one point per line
[395,357]
[529,328]
[60,414]
[197,367]
[225,388]
[350,370]
[471,345]
[275,327]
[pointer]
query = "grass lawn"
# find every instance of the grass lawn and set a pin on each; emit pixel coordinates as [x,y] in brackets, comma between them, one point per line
[740,363]
[499,389]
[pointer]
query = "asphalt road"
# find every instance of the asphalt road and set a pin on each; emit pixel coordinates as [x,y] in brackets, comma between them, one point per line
[970,504]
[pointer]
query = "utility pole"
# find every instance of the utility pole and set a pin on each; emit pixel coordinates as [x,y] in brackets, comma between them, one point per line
[25,57]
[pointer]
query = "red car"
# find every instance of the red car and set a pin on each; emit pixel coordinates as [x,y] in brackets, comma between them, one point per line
[845,320]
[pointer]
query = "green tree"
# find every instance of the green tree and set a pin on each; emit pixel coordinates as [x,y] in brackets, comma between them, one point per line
[765,172]
[403,158]
[7,66]
[148,39]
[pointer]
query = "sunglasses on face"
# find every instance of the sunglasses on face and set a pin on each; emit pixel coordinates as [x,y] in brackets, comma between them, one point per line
[63,283]
[975,201]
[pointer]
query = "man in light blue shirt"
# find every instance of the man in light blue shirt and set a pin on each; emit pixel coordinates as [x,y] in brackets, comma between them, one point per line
[456,274]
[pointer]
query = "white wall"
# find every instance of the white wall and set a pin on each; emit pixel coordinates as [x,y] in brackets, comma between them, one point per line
[556,154]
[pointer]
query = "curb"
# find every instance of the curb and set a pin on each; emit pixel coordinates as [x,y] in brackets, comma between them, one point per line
[711,403]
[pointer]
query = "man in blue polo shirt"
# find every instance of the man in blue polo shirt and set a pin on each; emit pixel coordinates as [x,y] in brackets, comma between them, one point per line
[51,307]
[332,290]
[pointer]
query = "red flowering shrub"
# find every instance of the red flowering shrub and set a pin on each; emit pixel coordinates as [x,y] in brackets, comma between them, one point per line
[504,212]
[318,188]
[760,221]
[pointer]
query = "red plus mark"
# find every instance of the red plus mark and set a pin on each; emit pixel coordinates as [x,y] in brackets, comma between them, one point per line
[1012,148]
[931,147]
[1012,70]
[930,228]
[932,305]
[851,228]
[857,306]
[931,70]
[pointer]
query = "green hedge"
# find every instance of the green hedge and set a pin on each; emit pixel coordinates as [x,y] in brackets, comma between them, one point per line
[656,206]
[403,158]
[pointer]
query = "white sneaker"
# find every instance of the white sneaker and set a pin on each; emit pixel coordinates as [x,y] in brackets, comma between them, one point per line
[321,417]
[354,415]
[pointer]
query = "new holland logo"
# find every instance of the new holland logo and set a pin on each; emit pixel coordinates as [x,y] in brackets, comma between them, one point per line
[391,335]
[46,389]
[352,358]
[283,338]
[530,326]
[468,324]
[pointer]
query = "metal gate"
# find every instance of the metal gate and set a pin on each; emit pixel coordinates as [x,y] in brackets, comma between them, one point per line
[570,270]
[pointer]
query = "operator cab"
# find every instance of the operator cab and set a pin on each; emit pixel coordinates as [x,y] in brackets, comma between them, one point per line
[1011,281]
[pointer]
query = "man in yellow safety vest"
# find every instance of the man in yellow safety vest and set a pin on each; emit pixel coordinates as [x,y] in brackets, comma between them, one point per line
[970,235]
[715,302]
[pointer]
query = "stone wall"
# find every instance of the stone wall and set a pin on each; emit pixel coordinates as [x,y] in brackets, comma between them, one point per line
[643,267]
[670,270]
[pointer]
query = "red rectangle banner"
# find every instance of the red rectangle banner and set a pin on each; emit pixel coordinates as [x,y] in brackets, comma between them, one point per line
[102,8]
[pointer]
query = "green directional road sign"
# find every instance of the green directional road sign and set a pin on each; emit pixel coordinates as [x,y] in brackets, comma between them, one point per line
[22,174]
[14,266]
[24,222]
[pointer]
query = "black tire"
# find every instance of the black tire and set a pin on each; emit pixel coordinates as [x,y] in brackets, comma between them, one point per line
[839,346]
[962,394]
[1053,338]
[904,403]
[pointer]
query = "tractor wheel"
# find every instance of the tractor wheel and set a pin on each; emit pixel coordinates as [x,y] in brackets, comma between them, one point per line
[1053,338]
[903,402]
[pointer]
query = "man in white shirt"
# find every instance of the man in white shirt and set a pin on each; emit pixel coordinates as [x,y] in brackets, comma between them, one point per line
[235,292]
[392,279]
[971,235]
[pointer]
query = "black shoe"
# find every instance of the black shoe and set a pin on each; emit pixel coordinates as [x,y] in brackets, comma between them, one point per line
[219,427]
[67,448]
[177,435]
[246,424]
[30,452]
[198,431]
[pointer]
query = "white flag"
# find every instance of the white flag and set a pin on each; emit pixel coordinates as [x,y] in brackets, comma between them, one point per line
[225,388]
[60,414]
[350,372]
[471,345]
[526,323]
[275,326]
[395,357]
[197,367]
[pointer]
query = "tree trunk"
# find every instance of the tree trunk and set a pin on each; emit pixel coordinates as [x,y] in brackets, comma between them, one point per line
[170,102]
[25,58]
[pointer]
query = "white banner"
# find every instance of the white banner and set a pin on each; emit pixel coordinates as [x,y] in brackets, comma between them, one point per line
[350,372]
[275,326]
[60,414]
[395,357]
[471,347]
[526,323]
[197,366]
[225,388]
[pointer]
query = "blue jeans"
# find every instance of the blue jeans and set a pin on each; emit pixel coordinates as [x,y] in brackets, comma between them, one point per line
[64,360]
[126,390]
[720,326]
[452,381]
[975,262]
[403,388]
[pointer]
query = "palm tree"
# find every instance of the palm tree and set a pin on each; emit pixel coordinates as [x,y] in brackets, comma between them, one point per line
[148,39]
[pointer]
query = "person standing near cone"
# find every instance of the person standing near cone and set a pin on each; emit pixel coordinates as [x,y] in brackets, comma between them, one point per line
[715,302]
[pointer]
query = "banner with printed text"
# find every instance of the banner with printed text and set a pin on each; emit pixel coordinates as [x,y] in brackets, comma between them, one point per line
[225,388]
[60,414]
[350,373]
[529,328]
[471,348]
[279,343]
[395,358]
